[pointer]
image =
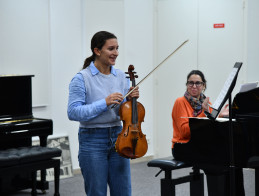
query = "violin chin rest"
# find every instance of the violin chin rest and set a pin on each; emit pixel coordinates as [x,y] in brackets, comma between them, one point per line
[127,152]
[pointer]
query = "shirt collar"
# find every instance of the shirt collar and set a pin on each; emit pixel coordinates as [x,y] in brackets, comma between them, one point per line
[95,71]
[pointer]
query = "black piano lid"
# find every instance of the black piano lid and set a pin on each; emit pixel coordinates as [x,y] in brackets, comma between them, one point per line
[246,103]
[16,96]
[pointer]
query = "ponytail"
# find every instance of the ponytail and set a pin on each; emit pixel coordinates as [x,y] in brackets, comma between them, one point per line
[88,61]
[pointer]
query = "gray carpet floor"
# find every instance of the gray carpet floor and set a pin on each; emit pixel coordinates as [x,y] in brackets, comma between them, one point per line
[144,183]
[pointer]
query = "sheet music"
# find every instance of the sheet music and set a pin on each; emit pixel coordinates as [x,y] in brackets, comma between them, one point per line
[248,86]
[217,119]
[225,89]
[196,117]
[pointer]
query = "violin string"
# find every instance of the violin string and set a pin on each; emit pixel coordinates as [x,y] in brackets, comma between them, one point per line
[153,71]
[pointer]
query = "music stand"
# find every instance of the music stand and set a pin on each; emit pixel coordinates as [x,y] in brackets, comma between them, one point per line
[217,106]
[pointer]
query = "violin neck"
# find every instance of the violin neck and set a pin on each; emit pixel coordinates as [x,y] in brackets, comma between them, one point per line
[134,107]
[134,111]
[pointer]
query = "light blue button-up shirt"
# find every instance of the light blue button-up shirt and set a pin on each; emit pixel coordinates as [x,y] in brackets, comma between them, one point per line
[87,92]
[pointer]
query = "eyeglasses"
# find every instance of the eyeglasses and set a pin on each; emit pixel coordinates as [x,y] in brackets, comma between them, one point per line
[198,83]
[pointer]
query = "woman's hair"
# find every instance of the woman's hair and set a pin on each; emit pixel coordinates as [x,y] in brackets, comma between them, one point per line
[197,72]
[98,40]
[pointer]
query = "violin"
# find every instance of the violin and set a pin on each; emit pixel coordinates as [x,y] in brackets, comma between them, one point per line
[131,142]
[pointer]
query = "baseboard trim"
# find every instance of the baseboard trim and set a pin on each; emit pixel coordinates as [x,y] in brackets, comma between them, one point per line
[142,159]
[77,171]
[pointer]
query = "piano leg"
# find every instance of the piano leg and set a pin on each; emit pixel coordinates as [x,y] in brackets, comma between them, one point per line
[257,181]
[219,183]
[43,182]
[57,174]
[239,182]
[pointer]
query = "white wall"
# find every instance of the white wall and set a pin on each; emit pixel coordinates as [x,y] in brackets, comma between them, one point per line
[24,44]
[51,39]
[220,48]
[66,60]
[252,41]
[176,22]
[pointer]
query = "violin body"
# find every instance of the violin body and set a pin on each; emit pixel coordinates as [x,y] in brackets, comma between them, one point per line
[131,142]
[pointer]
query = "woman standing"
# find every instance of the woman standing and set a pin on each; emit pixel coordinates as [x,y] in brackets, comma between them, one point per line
[92,92]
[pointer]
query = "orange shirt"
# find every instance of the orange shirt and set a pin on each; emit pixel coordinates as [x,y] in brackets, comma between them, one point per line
[182,108]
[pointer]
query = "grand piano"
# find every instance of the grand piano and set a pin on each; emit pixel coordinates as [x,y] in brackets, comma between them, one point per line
[209,144]
[18,126]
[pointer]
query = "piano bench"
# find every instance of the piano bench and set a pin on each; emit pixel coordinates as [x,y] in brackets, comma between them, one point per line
[168,183]
[31,159]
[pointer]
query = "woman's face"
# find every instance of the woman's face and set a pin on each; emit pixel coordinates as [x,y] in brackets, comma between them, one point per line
[195,85]
[109,52]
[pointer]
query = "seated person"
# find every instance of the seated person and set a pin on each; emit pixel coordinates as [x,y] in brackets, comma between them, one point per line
[193,104]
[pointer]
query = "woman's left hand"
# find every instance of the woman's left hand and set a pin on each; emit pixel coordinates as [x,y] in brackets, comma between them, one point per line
[205,104]
[134,93]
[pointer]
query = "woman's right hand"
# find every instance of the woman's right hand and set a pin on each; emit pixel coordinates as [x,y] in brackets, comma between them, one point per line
[114,98]
[224,111]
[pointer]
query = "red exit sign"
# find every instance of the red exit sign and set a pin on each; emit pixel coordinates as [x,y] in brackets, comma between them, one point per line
[219,25]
